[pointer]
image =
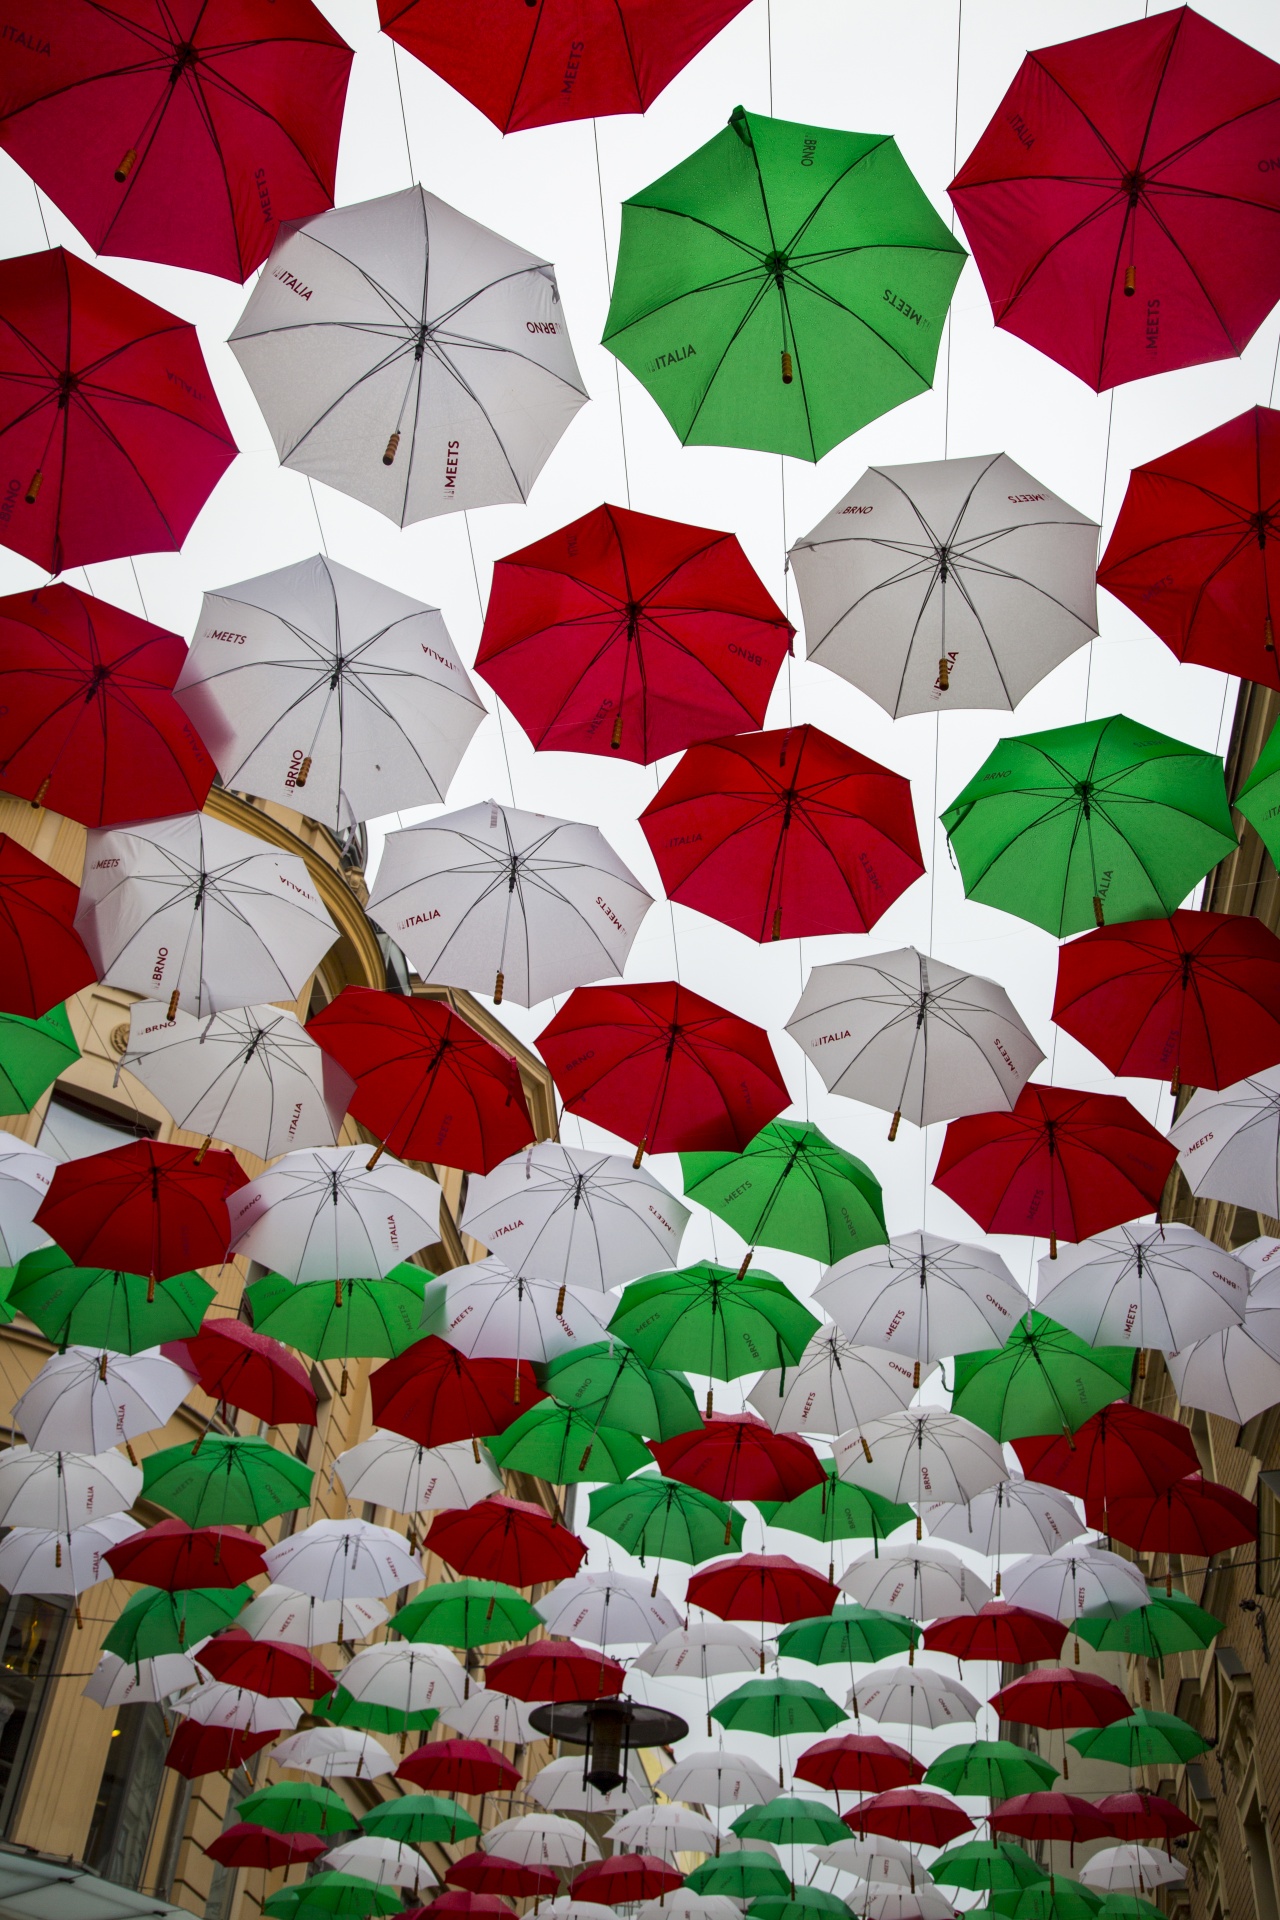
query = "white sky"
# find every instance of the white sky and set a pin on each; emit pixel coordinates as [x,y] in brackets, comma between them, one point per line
[839,63]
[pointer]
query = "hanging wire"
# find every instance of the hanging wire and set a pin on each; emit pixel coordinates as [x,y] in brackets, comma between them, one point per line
[608,281]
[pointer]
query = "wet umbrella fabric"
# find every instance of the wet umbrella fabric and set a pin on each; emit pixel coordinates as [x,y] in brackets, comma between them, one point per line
[43,960]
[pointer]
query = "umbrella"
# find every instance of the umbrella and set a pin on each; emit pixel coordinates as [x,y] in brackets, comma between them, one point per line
[790,1820]
[404,1680]
[847,1632]
[153,1622]
[541,1839]
[485,1310]
[42,958]
[278,1613]
[319,688]
[1229,1142]
[734,1456]
[171,1554]
[333,1893]
[84,1402]
[145,1205]
[740,1877]
[329,1321]
[665,1830]
[714,1320]
[1042,1378]
[245,1845]
[563,1786]
[607,1381]
[1193,1516]
[1105,820]
[1161,1286]
[1051,1815]
[333,1558]
[386,1862]
[624,634]
[489,1716]
[458,1766]
[32,1055]
[835,1510]
[1076,1580]
[342,1709]
[701,1650]
[110,425]
[1116,252]
[504,1539]
[193,910]
[565,1448]
[913,1697]
[416,1817]
[922,1297]
[214,1704]
[295,1806]
[1060,1900]
[391,1471]
[1143,1739]
[1091,1155]
[1257,796]
[719,1779]
[910,1813]
[608,1609]
[924,1453]
[1168,1623]
[431,1393]
[272,1667]
[241,1368]
[651,1515]
[993,1769]
[1136,1868]
[102,1307]
[1061,1697]
[487,1905]
[919,1582]
[743,299]
[68,1489]
[625,1877]
[761,1586]
[1120,1450]
[91,728]
[1142,1815]
[885,1861]
[681,1905]
[951,583]
[777,1708]
[26,1179]
[793,1188]
[784,834]
[250,1076]
[997,1631]
[910,1034]
[120,1683]
[987,1866]
[417,391]
[234,1479]
[35,1560]
[835,1384]
[858,1763]
[1015,1516]
[478,1870]
[1235,1372]
[322,1212]
[896,1903]
[563,1908]
[554,1670]
[464,1613]
[196,1749]
[659,1065]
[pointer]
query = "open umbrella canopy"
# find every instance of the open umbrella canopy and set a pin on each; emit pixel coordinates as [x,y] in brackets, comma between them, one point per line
[1076,1580]
[347,1894]
[148,1206]
[324,1213]
[608,1608]
[625,1877]
[836,1510]
[1143,1815]
[485,1310]
[701,1650]
[606,1381]
[279,1613]
[993,1769]
[765,279]
[1015,1516]
[504,1539]
[554,1670]
[836,1384]
[1131,1868]
[389,1862]
[791,1187]
[1059,1900]
[987,1866]
[253,1372]
[38,1560]
[719,1779]
[886,1862]
[104,1307]
[1235,1372]
[1229,1142]
[197,1749]
[665,1830]
[735,1456]
[32,1055]
[331,1559]
[1043,1378]
[1102,821]
[245,1844]
[917,1581]
[465,1613]
[1256,799]
[1143,1739]
[718,1321]
[1168,1623]
[458,1766]
[777,1708]
[997,1631]
[790,1820]
[922,1453]
[922,1297]
[231,1480]
[856,1763]
[740,1876]
[478,1872]
[62,1491]
[760,1586]
[1061,1697]
[86,1401]
[376,1318]
[295,1806]
[1194,1516]
[431,1393]
[565,1447]
[416,1817]
[490,1716]
[1118,1451]
[914,1814]
[848,1633]
[271,1667]
[541,1839]
[652,1516]
[1146,1286]
[43,958]
[914,1697]
[335,1753]
[1050,1815]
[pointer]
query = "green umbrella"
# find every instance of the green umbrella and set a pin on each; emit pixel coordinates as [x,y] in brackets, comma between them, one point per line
[373,1319]
[782,286]
[1101,821]
[803,1903]
[296,1806]
[466,1613]
[987,1866]
[652,1515]
[790,1820]
[1259,798]
[993,1769]
[777,1708]
[228,1480]
[343,1710]
[613,1387]
[420,1816]
[1128,1906]
[1054,1899]
[714,1320]
[1042,1379]
[153,1621]
[791,1188]
[837,1510]
[32,1055]
[102,1308]
[563,1447]
[329,1892]
[1145,1739]
[283,1904]
[740,1876]
[1171,1624]
[849,1633]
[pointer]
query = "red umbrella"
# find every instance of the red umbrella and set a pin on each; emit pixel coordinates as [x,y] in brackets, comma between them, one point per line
[505,1539]
[1119,1451]
[1140,1815]
[182,131]
[664,1068]
[554,1670]
[1116,206]
[625,1877]
[247,1370]
[858,1763]
[479,1872]
[458,1766]
[626,634]
[997,1631]
[88,722]
[146,1207]
[1194,552]
[1195,997]
[917,1815]
[433,1394]
[196,1749]
[1050,1815]
[109,428]
[276,1668]
[43,960]
[245,1845]
[1194,1515]
[488,1905]
[427,1084]
[761,1586]
[737,1456]
[173,1555]
[1062,1697]
[1060,1163]
[784,834]
[560,59]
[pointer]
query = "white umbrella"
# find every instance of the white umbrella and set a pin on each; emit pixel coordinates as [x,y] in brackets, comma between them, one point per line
[911,1035]
[1076,1581]
[887,1901]
[665,1831]
[84,1400]
[718,1779]
[124,1683]
[540,1840]
[1229,1142]
[562,1787]
[1144,1286]
[333,1558]
[834,1385]
[35,1560]
[487,1312]
[1132,1869]
[323,1214]
[878,1858]
[497,1718]
[702,1651]
[1261,1255]
[681,1905]
[920,1582]
[335,1753]
[913,1697]
[577,1216]
[507,902]
[1014,1516]
[252,1076]
[923,1297]
[69,1489]
[300,1620]
[321,689]
[922,1454]
[565,1908]
[947,583]
[608,1609]
[409,357]
[405,1678]
[195,911]
[1236,1371]
[25,1178]
[388,1863]
[216,1704]
[389,1471]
